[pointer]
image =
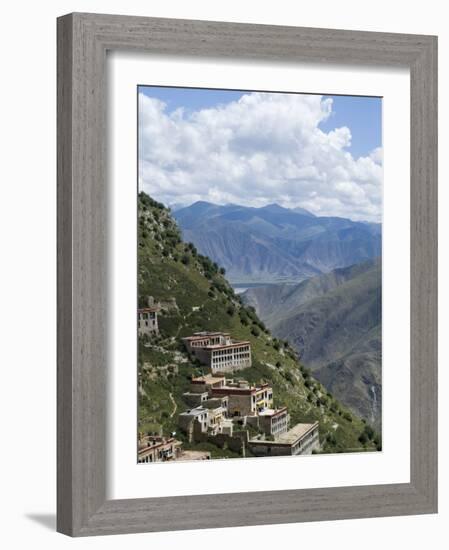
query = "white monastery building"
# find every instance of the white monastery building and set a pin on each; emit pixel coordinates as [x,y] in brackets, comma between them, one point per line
[219,351]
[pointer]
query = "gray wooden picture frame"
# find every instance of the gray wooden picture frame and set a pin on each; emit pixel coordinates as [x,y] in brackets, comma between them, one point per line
[83,41]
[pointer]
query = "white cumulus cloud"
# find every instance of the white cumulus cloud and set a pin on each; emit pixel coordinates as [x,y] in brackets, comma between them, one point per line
[264,148]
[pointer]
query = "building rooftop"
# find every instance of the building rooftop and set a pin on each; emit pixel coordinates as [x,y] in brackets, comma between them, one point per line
[239,389]
[207,379]
[217,410]
[233,344]
[152,309]
[195,412]
[295,433]
[151,442]
[201,335]
[272,412]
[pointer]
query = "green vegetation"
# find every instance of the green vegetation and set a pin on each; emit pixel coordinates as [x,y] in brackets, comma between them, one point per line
[171,269]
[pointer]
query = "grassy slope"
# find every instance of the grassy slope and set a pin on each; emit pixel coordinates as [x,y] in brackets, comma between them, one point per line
[170,268]
[274,303]
[334,322]
[329,326]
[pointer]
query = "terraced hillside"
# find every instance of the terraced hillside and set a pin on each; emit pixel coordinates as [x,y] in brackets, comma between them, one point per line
[195,296]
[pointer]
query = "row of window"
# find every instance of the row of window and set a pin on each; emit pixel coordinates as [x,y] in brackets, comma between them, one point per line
[241,349]
[280,420]
[150,315]
[199,343]
[236,359]
[146,323]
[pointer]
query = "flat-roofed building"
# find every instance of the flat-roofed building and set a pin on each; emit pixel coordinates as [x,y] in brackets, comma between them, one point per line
[213,402]
[274,421]
[206,382]
[227,427]
[243,399]
[194,399]
[217,416]
[264,397]
[147,318]
[219,351]
[197,418]
[202,420]
[302,439]
[158,449]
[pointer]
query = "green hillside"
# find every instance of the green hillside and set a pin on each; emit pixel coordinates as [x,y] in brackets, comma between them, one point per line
[196,296]
[334,322]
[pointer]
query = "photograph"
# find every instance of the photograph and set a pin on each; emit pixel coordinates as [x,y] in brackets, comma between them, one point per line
[231,230]
[259,307]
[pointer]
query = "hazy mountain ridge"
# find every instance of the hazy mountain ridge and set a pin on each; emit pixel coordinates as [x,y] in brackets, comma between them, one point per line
[273,243]
[334,322]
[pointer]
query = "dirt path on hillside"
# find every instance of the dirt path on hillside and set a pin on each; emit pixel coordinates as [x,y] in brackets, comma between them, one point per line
[175,406]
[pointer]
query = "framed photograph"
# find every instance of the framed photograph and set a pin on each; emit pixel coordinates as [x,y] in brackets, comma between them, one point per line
[247,281]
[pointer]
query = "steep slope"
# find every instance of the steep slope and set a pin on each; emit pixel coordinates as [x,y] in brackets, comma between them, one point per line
[196,296]
[274,303]
[275,244]
[334,322]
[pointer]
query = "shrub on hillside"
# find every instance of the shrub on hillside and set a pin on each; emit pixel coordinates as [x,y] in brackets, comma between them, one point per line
[363,438]
[230,310]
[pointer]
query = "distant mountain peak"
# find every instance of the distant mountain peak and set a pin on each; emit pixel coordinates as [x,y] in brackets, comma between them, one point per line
[197,207]
[303,211]
[274,207]
[201,203]
[273,243]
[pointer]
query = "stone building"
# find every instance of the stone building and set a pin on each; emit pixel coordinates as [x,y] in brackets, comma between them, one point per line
[195,399]
[274,421]
[205,421]
[213,402]
[194,420]
[243,399]
[218,351]
[206,383]
[147,318]
[158,449]
[302,439]
[217,416]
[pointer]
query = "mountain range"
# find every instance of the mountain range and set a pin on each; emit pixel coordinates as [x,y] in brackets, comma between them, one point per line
[276,244]
[334,322]
[195,296]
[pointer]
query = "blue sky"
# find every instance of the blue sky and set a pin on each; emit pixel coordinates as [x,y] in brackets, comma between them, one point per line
[362,115]
[319,152]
